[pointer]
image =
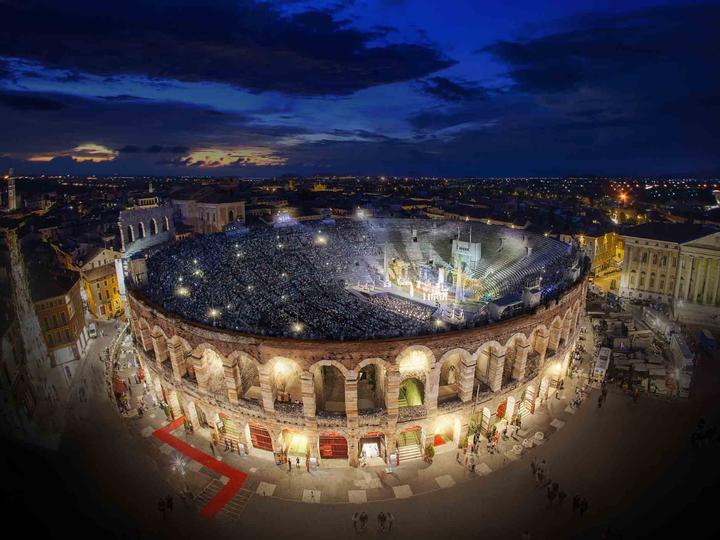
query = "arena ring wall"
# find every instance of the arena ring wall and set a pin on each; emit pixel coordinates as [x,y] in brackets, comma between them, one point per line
[259,392]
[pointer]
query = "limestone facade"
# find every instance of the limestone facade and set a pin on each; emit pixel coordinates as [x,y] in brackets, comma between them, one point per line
[237,385]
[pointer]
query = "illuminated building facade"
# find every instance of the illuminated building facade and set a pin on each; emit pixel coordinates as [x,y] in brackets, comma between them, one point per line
[355,400]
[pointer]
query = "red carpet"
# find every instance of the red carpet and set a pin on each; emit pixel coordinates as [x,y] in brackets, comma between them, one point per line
[235,478]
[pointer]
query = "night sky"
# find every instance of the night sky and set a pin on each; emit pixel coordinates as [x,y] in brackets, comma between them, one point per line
[416,87]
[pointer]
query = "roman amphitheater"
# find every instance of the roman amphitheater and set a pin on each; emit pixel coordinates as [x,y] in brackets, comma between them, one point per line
[358,340]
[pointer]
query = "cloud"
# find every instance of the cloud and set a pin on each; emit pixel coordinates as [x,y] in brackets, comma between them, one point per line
[22,102]
[248,44]
[447,90]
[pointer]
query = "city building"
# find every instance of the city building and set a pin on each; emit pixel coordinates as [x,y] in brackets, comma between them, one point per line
[209,210]
[677,264]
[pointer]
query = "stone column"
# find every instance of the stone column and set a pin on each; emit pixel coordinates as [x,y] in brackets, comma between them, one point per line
[485,420]
[232,382]
[201,371]
[268,399]
[706,282]
[554,338]
[717,282]
[432,387]
[541,347]
[466,379]
[521,355]
[159,347]
[177,360]
[495,370]
[308,395]
[351,400]
[392,393]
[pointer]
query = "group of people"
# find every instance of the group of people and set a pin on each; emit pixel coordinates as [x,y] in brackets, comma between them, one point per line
[385,521]
[541,472]
[278,281]
[407,308]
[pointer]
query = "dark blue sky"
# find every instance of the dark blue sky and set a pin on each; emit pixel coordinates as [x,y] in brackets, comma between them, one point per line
[380,87]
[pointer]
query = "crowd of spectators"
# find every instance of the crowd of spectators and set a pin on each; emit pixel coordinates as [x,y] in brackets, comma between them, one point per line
[286,281]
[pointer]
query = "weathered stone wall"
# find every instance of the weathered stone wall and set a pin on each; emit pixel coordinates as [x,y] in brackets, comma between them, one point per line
[539,345]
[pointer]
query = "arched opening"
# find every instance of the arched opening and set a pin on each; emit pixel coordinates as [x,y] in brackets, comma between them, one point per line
[165,224]
[409,444]
[482,367]
[447,431]
[259,437]
[412,393]
[371,388]
[231,216]
[294,445]
[285,383]
[130,234]
[333,446]
[372,449]
[229,431]
[214,372]
[329,385]
[141,229]
[449,379]
[249,379]
[153,227]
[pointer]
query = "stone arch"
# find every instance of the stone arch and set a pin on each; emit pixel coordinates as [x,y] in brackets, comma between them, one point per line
[245,370]
[165,224]
[372,386]
[153,227]
[145,334]
[329,383]
[210,369]
[284,377]
[415,359]
[141,229]
[130,230]
[555,333]
[160,343]
[516,350]
[231,216]
[482,359]
[453,370]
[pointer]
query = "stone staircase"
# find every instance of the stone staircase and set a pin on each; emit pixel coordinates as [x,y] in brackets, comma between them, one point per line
[409,447]
[524,409]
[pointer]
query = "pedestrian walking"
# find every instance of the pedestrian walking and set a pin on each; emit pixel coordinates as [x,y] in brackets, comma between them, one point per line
[381,522]
[390,520]
[355,518]
[297,462]
[161,506]
[533,466]
[289,465]
[363,520]
[576,503]
[550,495]
[583,506]
[169,502]
[212,448]
[561,497]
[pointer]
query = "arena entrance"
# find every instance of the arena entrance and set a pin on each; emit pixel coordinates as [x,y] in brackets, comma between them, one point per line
[230,432]
[260,438]
[333,446]
[409,444]
[411,393]
[294,444]
[447,434]
[372,449]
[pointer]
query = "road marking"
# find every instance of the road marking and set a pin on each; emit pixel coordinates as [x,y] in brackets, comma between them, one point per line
[311,496]
[265,489]
[445,481]
[402,492]
[357,496]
